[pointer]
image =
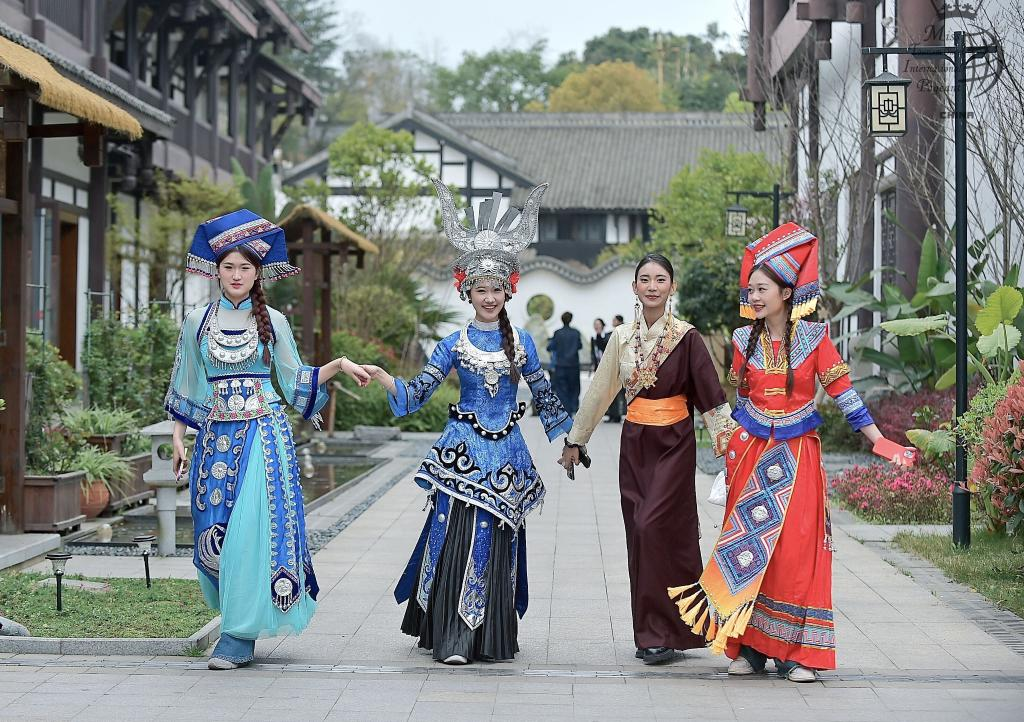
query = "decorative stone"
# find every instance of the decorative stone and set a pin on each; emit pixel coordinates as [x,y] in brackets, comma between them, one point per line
[745,558]
[80,584]
[775,472]
[10,628]
[759,513]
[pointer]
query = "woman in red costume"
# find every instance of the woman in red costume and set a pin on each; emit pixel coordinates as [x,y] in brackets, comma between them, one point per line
[767,589]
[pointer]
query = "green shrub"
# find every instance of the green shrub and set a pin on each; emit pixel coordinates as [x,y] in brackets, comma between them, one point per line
[836,434]
[99,421]
[103,466]
[129,368]
[369,407]
[54,385]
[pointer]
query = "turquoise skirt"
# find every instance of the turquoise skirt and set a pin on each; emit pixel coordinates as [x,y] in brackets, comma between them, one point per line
[243,600]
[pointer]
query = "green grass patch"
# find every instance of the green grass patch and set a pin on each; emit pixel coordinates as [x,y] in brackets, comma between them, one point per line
[171,608]
[993,566]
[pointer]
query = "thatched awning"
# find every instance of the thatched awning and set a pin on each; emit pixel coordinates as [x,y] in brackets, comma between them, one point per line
[59,93]
[292,228]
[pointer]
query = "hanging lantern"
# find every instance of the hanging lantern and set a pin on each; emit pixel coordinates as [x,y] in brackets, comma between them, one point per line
[887,104]
[736,221]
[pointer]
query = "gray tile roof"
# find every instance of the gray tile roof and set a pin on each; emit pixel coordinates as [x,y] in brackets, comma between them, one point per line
[594,161]
[611,161]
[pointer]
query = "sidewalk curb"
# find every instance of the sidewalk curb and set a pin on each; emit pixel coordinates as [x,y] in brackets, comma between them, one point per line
[119,646]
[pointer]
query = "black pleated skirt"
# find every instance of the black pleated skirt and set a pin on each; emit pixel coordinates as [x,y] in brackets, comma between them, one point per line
[440,628]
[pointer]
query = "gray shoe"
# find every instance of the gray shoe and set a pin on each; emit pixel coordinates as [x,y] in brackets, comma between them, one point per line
[799,673]
[740,667]
[456,659]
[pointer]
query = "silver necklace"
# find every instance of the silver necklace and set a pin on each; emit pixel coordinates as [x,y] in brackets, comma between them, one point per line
[492,365]
[236,351]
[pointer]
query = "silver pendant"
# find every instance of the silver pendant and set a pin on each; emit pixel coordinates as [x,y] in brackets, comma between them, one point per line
[235,402]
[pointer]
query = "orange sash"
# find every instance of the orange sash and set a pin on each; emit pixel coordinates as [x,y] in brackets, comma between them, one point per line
[657,412]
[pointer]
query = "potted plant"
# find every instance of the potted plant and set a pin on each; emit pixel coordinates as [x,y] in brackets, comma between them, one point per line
[52,485]
[51,489]
[105,474]
[106,429]
[137,453]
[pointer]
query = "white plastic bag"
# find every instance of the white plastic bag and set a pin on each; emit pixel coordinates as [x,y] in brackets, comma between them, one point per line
[719,492]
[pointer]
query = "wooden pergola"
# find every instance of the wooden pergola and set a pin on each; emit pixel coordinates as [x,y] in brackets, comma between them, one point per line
[27,80]
[301,226]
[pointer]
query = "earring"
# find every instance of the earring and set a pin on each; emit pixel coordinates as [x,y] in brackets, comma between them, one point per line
[670,306]
[636,311]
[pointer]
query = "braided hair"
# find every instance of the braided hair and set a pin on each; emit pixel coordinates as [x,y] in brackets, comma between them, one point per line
[508,343]
[259,300]
[759,328]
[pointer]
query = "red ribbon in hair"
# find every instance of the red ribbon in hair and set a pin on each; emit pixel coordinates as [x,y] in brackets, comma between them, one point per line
[514,280]
[460,277]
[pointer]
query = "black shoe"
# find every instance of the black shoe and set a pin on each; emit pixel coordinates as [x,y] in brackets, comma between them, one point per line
[658,655]
[639,653]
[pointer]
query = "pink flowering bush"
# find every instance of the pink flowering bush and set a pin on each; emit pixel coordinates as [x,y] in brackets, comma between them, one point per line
[887,494]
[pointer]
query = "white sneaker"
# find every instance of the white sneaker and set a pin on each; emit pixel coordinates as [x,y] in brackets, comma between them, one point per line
[220,664]
[799,673]
[456,659]
[740,667]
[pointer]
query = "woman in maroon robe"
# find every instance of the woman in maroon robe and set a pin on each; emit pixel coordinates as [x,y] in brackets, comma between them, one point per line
[666,371]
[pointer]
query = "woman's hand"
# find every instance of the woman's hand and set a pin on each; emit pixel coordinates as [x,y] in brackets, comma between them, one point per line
[179,459]
[898,455]
[355,371]
[382,377]
[570,457]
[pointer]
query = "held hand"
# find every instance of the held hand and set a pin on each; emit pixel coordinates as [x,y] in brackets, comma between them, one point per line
[376,373]
[356,372]
[570,457]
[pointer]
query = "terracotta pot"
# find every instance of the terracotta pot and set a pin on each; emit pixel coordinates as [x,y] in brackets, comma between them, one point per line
[94,499]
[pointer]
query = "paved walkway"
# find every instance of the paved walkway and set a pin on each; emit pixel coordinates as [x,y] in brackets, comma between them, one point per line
[904,653]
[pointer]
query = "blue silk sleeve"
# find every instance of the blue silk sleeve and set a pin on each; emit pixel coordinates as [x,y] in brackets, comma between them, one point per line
[411,395]
[299,383]
[188,396]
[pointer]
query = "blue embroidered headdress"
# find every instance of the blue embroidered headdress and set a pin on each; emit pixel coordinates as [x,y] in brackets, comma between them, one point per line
[218,236]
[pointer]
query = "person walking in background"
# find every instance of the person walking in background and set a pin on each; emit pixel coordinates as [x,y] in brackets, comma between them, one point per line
[565,347]
[618,406]
[598,342]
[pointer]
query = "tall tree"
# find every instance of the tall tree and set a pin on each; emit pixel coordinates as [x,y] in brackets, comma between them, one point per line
[501,80]
[612,86]
[319,20]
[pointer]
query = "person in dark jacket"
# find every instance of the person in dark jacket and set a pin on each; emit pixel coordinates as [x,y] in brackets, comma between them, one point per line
[565,345]
[598,342]
[618,408]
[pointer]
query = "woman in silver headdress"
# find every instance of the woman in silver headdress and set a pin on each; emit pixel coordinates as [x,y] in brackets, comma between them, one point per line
[250,539]
[466,580]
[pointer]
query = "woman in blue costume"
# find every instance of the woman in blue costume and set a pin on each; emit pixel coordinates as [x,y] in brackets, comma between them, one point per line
[250,537]
[466,580]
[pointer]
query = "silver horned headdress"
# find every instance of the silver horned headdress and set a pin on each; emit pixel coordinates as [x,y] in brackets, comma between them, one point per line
[489,246]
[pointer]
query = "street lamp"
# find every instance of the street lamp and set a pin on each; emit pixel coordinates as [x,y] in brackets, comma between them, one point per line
[887,105]
[959,54]
[732,212]
[58,560]
[145,544]
[736,221]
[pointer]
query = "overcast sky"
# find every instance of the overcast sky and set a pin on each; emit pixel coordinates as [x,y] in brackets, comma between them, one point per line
[442,30]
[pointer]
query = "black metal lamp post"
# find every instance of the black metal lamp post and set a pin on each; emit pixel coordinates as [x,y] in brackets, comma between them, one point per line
[732,212]
[959,54]
[58,560]
[145,543]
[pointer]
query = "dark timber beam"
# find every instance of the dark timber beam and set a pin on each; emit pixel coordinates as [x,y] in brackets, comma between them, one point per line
[14,259]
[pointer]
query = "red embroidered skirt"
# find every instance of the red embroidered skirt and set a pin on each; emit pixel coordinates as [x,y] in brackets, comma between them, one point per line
[792,617]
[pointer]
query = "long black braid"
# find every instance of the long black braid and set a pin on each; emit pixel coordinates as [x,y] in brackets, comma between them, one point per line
[508,343]
[755,338]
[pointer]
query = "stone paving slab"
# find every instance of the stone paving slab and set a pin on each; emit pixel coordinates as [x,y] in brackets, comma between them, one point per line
[903,652]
